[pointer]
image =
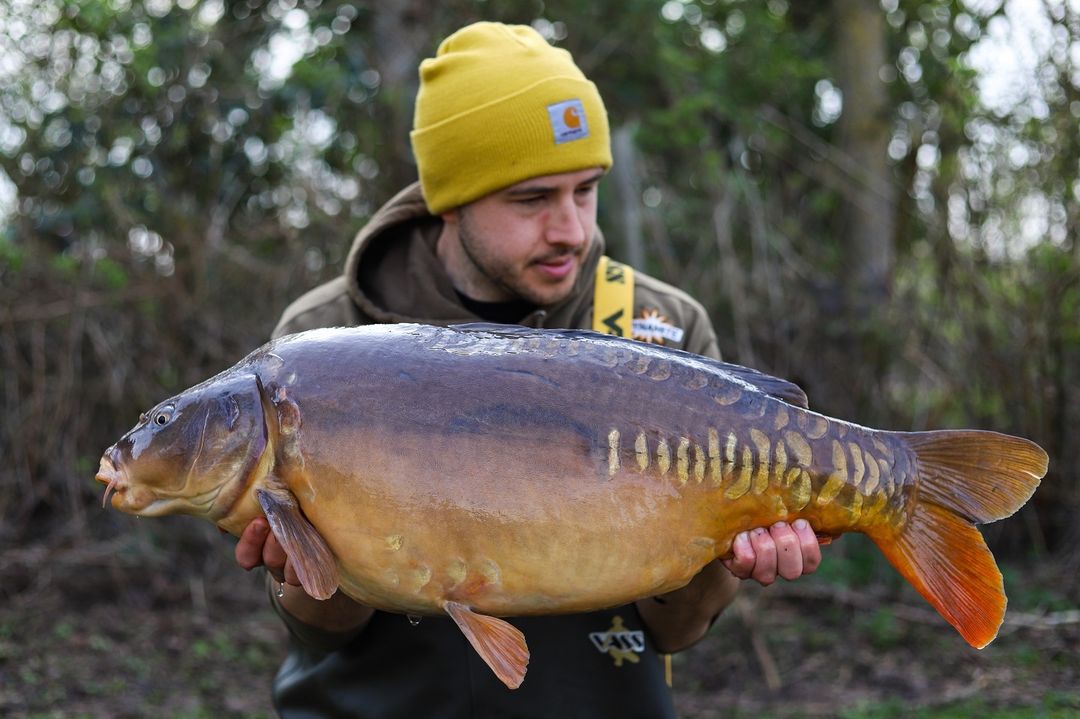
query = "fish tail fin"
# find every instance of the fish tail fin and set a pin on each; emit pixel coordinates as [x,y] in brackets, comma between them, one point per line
[966,477]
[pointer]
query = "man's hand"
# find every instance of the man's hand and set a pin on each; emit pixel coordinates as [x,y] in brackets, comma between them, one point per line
[784,550]
[678,619]
[259,547]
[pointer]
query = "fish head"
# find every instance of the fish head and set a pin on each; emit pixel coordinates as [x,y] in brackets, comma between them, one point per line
[194,453]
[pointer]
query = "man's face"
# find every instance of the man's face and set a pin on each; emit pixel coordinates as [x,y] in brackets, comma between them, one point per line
[523,242]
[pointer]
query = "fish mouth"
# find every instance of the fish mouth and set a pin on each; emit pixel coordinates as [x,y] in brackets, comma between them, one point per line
[112,477]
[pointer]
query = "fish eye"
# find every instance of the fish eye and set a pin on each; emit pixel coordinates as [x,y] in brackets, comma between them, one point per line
[162,416]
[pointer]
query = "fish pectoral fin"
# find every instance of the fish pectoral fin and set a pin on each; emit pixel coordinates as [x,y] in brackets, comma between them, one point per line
[310,555]
[500,644]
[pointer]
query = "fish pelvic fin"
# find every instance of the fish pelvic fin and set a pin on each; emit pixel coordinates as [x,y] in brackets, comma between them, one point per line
[500,644]
[307,550]
[965,478]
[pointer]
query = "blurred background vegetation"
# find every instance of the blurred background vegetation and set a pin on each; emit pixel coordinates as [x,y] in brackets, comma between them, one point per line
[878,200]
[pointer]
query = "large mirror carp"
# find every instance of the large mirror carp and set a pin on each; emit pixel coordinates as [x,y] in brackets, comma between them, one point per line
[487,471]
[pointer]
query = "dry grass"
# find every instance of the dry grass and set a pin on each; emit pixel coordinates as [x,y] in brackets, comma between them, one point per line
[102,632]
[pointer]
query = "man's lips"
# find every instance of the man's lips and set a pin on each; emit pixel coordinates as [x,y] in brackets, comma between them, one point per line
[557,267]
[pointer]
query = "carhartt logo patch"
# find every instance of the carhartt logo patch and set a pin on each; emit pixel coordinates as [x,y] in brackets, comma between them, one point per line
[568,121]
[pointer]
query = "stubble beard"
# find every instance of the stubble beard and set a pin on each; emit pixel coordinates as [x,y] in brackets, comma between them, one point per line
[505,276]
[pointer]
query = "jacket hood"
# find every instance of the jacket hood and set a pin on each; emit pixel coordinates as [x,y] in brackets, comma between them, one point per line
[399,241]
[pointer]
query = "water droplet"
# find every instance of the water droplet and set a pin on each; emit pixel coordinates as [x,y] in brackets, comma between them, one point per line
[414,620]
[281,589]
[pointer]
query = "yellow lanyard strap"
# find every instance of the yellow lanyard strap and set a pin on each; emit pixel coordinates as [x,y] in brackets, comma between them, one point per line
[613,303]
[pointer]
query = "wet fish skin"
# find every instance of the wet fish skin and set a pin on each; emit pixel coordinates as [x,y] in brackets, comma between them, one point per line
[506,471]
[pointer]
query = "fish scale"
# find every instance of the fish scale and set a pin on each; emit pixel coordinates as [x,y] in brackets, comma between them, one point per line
[763,466]
[490,471]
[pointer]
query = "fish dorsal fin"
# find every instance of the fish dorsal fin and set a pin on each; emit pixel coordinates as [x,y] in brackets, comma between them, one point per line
[310,556]
[781,389]
[500,644]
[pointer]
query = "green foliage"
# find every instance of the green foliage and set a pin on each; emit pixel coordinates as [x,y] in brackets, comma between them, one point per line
[1052,706]
[11,257]
[178,183]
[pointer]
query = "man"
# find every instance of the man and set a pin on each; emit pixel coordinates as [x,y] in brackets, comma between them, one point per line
[511,141]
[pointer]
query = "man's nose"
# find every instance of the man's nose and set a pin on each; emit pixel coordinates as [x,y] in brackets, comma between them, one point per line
[566,224]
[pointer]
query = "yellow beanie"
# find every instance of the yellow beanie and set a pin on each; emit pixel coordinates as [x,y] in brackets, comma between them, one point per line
[498,105]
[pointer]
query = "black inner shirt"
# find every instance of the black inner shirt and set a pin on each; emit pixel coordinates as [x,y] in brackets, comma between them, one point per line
[506,313]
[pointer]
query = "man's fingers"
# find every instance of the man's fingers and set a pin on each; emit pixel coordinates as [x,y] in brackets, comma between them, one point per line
[259,547]
[249,550]
[274,557]
[789,557]
[741,563]
[808,545]
[765,551]
[290,575]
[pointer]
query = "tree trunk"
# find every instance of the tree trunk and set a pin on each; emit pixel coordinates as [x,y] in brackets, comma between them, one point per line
[627,181]
[401,37]
[855,353]
[863,135]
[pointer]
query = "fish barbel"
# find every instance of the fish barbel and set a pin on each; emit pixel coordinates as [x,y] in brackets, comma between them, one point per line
[487,471]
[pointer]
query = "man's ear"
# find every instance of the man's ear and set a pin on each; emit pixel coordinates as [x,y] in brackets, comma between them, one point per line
[450,217]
